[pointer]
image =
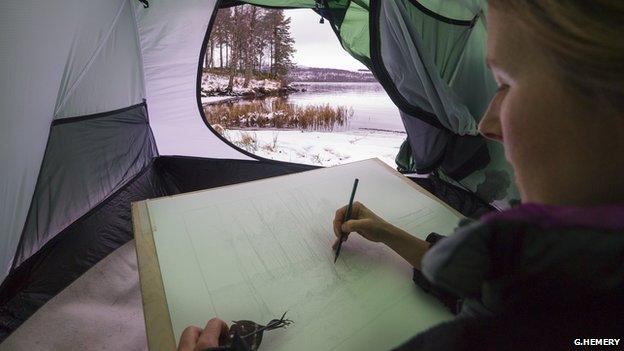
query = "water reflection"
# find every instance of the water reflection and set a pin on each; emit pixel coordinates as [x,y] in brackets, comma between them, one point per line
[372,108]
[370,127]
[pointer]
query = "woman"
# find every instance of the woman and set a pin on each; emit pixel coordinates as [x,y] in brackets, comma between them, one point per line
[549,273]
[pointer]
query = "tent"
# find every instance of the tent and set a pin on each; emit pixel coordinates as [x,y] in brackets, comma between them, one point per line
[100,107]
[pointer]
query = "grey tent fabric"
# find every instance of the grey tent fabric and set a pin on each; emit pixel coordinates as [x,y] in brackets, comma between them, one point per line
[420,54]
[102,56]
[86,160]
[427,143]
[473,82]
[434,54]
[434,149]
[46,48]
[71,58]
[453,36]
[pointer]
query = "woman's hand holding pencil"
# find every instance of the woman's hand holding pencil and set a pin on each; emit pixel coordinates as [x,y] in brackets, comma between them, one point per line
[372,227]
[363,221]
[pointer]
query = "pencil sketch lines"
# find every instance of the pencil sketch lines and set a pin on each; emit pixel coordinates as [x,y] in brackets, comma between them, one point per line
[190,238]
[261,248]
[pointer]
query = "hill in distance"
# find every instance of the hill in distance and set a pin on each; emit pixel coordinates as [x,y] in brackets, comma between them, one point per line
[315,74]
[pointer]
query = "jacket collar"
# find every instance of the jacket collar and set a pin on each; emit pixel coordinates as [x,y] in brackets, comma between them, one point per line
[534,255]
[549,216]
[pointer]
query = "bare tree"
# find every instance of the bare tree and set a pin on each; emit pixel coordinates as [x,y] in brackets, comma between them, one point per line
[249,48]
[234,46]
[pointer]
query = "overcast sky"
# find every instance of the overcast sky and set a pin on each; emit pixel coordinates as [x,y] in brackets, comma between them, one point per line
[316,44]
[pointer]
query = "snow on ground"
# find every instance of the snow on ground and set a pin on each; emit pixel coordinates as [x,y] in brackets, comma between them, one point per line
[212,83]
[318,148]
[214,99]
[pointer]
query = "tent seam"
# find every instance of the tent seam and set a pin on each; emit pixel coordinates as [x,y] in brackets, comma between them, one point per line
[142,73]
[141,59]
[74,119]
[439,17]
[91,59]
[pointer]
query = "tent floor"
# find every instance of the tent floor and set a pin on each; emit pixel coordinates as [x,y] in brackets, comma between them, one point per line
[101,310]
[109,226]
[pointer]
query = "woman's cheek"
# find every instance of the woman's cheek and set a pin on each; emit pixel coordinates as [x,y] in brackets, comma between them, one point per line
[507,128]
[528,134]
[516,126]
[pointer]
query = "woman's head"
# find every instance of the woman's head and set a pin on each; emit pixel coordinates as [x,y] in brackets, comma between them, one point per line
[559,110]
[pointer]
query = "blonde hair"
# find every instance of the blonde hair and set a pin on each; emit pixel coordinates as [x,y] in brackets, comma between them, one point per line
[586,38]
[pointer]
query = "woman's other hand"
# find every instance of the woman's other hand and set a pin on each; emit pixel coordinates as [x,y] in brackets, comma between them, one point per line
[213,335]
[363,221]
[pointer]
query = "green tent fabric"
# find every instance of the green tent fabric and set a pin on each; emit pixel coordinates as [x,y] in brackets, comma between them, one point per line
[429,55]
[273,3]
[354,31]
[420,54]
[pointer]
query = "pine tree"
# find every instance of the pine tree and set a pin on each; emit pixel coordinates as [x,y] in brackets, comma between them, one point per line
[282,45]
[248,39]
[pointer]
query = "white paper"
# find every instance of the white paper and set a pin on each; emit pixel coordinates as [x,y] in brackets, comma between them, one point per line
[255,250]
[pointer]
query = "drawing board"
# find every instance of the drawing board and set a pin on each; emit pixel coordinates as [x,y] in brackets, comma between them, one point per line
[255,250]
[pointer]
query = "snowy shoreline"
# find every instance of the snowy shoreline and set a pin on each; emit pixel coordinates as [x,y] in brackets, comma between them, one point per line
[318,148]
[323,148]
[214,85]
[212,100]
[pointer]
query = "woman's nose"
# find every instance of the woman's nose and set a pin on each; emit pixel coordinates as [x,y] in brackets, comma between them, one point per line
[490,126]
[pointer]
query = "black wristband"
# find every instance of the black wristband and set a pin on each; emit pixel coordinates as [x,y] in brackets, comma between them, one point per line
[433,238]
[450,300]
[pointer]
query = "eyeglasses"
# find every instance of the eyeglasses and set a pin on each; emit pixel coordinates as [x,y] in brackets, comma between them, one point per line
[251,332]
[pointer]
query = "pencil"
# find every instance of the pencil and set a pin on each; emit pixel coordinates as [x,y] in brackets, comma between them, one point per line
[347,216]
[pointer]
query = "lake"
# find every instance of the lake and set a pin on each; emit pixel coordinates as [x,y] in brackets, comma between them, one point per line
[372,108]
[374,130]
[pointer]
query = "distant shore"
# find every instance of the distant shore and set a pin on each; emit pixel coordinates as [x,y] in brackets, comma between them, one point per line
[218,85]
[215,82]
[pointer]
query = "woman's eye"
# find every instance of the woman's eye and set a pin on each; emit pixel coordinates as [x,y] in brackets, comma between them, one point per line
[502,87]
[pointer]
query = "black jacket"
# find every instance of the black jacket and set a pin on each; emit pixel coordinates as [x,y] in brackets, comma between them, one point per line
[537,278]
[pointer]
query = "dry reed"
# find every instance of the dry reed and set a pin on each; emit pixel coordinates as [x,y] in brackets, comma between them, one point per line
[278,114]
